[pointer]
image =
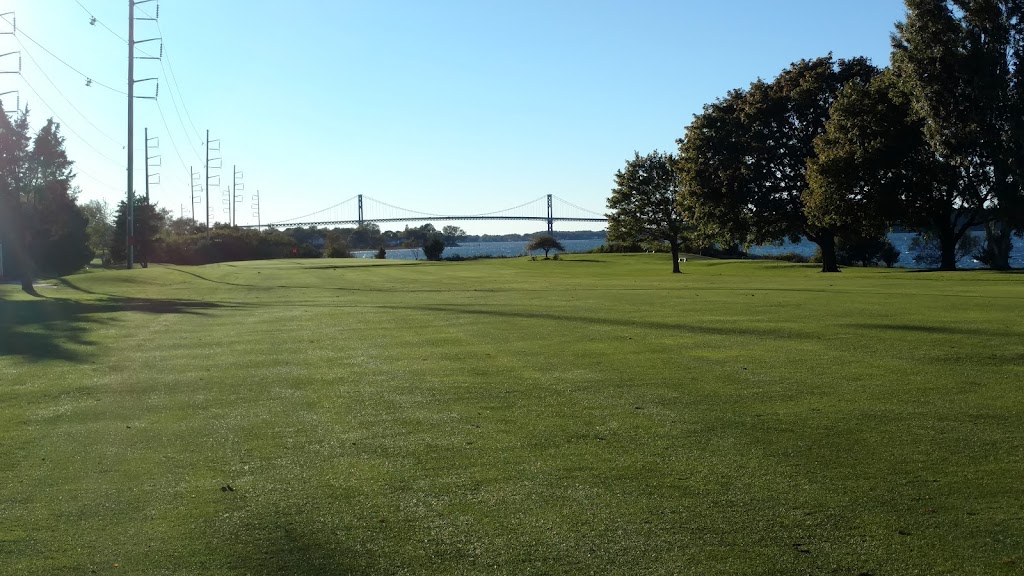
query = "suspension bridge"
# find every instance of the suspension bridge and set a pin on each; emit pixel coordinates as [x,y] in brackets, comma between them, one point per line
[361,210]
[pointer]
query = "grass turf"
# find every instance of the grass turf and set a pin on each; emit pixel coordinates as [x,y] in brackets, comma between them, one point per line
[590,415]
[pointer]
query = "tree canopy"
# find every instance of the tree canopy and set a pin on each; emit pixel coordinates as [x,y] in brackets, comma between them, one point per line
[743,160]
[546,243]
[644,205]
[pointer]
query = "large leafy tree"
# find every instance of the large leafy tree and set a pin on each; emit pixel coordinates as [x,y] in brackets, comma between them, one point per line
[643,204]
[743,160]
[100,228]
[958,60]
[872,168]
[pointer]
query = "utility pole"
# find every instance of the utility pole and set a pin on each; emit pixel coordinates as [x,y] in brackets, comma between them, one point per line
[226,200]
[12,19]
[256,209]
[151,144]
[236,186]
[197,191]
[130,228]
[211,146]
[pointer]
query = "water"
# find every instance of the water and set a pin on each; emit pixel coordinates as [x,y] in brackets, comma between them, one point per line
[805,247]
[476,249]
[901,240]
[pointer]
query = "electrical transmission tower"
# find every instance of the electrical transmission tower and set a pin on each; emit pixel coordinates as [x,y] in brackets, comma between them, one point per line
[152,161]
[211,164]
[130,228]
[256,209]
[236,198]
[197,191]
[9,18]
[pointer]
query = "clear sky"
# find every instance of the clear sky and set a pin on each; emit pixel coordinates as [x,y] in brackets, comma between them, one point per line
[456,107]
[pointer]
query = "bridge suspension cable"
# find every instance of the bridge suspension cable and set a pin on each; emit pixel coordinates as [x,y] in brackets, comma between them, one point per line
[580,208]
[304,217]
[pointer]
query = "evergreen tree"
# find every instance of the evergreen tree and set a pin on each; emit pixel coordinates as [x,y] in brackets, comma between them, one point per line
[58,240]
[149,221]
[14,142]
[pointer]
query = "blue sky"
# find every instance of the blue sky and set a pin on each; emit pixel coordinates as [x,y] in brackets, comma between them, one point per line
[444,107]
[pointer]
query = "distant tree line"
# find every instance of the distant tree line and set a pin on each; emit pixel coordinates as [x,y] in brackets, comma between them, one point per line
[840,151]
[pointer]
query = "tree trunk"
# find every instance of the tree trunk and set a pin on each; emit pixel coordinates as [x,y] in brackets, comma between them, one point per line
[25,266]
[675,258]
[826,241]
[947,249]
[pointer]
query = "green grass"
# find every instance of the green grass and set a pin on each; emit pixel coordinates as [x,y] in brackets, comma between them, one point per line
[590,415]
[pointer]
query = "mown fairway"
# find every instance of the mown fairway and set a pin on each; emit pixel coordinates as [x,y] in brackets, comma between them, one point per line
[592,415]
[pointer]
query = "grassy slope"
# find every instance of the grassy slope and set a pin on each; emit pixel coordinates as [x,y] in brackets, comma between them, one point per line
[591,415]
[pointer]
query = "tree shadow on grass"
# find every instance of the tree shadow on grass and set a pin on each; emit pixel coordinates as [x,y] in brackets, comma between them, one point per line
[764,331]
[936,330]
[58,328]
[269,537]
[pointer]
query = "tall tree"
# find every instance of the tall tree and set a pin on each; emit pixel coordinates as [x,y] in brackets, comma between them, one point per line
[643,204]
[958,61]
[872,168]
[743,160]
[58,241]
[41,226]
[14,147]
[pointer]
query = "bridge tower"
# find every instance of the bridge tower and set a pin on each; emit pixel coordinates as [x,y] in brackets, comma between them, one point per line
[360,210]
[551,218]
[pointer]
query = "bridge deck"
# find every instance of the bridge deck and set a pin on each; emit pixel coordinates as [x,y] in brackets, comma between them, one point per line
[422,219]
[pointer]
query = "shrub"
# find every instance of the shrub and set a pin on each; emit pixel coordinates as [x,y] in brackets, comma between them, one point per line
[433,247]
[863,250]
[336,246]
[382,254]
[890,255]
[788,257]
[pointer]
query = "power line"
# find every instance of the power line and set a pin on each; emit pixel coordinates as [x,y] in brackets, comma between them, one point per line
[97,180]
[94,20]
[177,86]
[98,21]
[68,126]
[89,80]
[169,135]
[181,121]
[68,100]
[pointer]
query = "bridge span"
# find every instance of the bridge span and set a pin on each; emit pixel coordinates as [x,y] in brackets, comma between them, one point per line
[361,210]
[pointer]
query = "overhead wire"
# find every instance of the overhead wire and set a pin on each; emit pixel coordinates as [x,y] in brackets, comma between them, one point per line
[68,126]
[176,85]
[98,21]
[66,99]
[89,79]
[97,180]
